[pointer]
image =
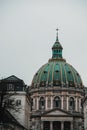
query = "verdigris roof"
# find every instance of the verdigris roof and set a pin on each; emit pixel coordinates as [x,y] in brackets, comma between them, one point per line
[57,72]
[57,45]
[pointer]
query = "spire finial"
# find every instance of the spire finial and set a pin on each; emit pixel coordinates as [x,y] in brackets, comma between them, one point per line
[57,35]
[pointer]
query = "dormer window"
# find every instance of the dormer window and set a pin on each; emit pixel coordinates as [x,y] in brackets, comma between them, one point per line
[57,83]
[57,71]
[36,74]
[71,84]
[10,87]
[43,83]
[77,74]
[45,72]
[69,71]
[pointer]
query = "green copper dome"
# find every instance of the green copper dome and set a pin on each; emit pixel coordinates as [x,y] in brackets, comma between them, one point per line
[57,72]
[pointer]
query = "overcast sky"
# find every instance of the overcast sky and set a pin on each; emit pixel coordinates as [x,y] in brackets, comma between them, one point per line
[28,31]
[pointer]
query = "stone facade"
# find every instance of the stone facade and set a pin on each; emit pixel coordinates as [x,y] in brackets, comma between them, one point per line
[23,114]
[85,109]
[56,94]
[68,118]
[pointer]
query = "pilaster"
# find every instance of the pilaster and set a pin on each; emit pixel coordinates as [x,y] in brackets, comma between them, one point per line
[62,125]
[46,101]
[51,102]
[71,125]
[62,103]
[37,103]
[41,125]
[67,103]
[76,104]
[51,125]
[79,104]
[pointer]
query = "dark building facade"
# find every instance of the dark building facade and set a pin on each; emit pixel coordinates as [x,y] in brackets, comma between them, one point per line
[8,122]
[12,83]
[14,104]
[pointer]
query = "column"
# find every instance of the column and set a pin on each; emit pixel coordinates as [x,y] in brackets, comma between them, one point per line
[51,125]
[41,125]
[34,103]
[62,125]
[62,103]
[46,102]
[67,103]
[80,104]
[37,103]
[71,125]
[51,102]
[76,104]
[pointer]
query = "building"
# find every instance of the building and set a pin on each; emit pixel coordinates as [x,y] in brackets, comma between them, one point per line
[85,109]
[19,103]
[8,122]
[56,99]
[56,93]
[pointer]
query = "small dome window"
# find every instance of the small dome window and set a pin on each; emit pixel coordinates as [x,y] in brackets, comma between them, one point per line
[71,84]
[45,72]
[57,82]
[57,71]
[77,74]
[43,83]
[69,71]
[36,74]
[81,84]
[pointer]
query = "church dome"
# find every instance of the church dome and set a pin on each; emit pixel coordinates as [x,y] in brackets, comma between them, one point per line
[57,72]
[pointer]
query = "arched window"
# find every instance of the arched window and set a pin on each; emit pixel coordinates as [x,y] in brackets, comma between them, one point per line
[81,105]
[35,103]
[31,104]
[42,103]
[71,104]
[57,102]
[49,102]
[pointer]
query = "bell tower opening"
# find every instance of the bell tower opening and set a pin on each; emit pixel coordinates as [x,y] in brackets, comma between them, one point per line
[57,48]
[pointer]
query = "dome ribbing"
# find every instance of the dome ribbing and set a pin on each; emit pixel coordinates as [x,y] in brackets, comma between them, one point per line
[57,72]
